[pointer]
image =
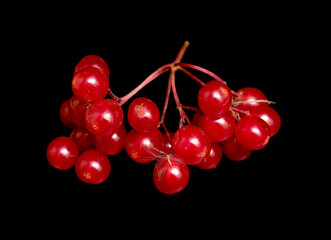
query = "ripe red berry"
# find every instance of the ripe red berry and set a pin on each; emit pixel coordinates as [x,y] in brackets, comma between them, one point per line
[191,143]
[62,153]
[90,84]
[234,151]
[83,138]
[92,167]
[170,175]
[143,114]
[93,61]
[218,129]
[251,97]
[78,109]
[269,115]
[252,132]
[65,114]
[111,144]
[144,147]
[214,98]
[103,117]
[213,159]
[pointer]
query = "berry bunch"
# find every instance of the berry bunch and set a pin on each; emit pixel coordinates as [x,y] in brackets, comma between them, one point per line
[226,122]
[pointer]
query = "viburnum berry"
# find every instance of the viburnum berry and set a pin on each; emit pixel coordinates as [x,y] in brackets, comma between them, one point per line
[78,109]
[213,158]
[234,151]
[65,114]
[248,98]
[93,61]
[170,175]
[62,153]
[83,138]
[269,115]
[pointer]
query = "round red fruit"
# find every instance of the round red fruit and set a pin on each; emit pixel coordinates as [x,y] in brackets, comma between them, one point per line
[62,153]
[234,151]
[270,116]
[93,61]
[92,167]
[170,175]
[65,114]
[90,84]
[252,132]
[252,98]
[143,114]
[214,98]
[83,138]
[213,159]
[191,143]
[111,144]
[78,109]
[103,117]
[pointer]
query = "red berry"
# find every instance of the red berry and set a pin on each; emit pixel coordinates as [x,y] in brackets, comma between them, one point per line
[103,117]
[191,143]
[90,84]
[92,167]
[234,151]
[218,129]
[144,147]
[62,153]
[269,115]
[250,96]
[196,118]
[93,61]
[170,175]
[214,98]
[83,138]
[252,132]
[167,148]
[78,109]
[143,114]
[65,114]
[111,144]
[213,159]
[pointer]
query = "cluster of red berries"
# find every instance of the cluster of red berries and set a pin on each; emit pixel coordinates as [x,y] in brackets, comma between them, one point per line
[226,122]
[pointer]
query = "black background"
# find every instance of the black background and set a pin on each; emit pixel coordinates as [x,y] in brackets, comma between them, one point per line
[245,47]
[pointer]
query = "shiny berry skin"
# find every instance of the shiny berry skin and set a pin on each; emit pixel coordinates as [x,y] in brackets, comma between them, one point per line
[111,144]
[144,147]
[170,175]
[213,159]
[218,129]
[269,115]
[143,114]
[234,151]
[93,61]
[252,132]
[250,95]
[78,109]
[103,117]
[92,167]
[90,84]
[65,114]
[83,138]
[214,99]
[191,144]
[62,153]
[167,148]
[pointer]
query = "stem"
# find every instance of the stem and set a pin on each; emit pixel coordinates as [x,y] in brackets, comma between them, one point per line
[150,78]
[166,101]
[213,75]
[239,110]
[256,101]
[181,52]
[192,76]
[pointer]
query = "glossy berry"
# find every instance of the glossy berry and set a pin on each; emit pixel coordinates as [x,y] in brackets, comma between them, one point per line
[103,117]
[111,144]
[90,84]
[167,147]
[213,158]
[144,147]
[191,143]
[269,115]
[78,109]
[234,151]
[93,61]
[214,99]
[143,114]
[65,114]
[218,129]
[170,175]
[252,133]
[83,138]
[250,96]
[92,167]
[62,153]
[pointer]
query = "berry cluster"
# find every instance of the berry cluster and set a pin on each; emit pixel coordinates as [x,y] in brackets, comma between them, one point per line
[226,122]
